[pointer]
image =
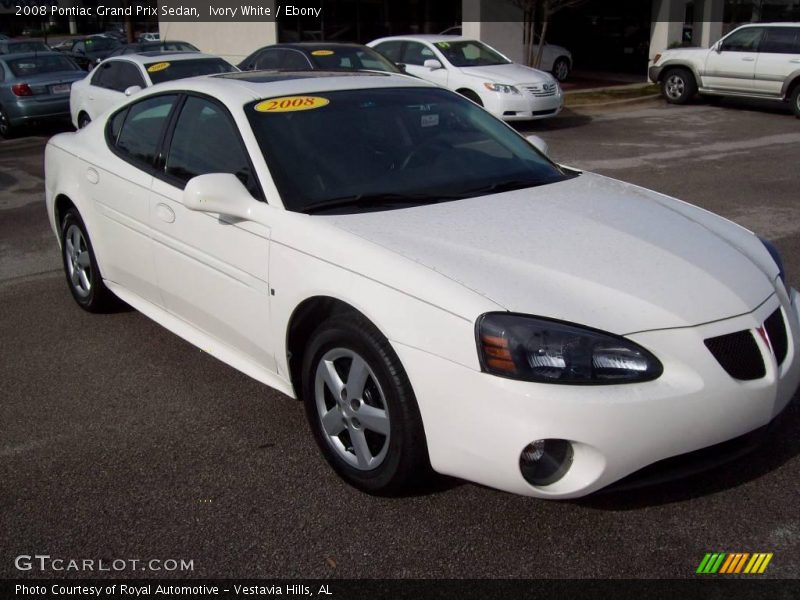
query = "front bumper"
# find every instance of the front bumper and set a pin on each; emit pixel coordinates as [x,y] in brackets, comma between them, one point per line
[653,74]
[477,424]
[523,106]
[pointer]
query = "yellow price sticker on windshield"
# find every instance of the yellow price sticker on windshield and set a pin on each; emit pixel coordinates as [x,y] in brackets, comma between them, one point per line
[322,52]
[291,103]
[157,67]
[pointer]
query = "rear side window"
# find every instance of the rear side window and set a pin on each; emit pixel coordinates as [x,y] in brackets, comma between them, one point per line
[781,40]
[140,135]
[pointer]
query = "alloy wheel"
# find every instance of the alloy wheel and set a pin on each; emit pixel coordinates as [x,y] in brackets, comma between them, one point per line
[675,86]
[352,409]
[78,261]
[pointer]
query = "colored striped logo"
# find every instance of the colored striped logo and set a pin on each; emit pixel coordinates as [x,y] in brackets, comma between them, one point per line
[734,562]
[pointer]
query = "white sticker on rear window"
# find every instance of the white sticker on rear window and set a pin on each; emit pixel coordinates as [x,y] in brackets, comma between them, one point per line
[430,120]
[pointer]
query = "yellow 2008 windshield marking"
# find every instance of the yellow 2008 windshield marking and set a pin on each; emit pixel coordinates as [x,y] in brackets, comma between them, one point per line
[291,103]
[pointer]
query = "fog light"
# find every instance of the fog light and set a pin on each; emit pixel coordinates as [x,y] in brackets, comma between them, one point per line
[543,462]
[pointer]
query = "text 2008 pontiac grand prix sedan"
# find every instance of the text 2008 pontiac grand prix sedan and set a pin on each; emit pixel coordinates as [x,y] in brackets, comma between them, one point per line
[434,288]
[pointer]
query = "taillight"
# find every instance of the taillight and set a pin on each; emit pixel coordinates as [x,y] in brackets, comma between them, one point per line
[21,89]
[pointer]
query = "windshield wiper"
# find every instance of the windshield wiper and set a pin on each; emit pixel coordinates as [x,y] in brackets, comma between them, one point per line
[373,200]
[505,186]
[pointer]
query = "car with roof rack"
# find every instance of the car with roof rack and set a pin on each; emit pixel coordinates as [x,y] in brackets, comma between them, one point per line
[436,290]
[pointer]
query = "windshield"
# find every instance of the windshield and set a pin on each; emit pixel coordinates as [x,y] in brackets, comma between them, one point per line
[167,71]
[370,149]
[350,59]
[469,53]
[36,65]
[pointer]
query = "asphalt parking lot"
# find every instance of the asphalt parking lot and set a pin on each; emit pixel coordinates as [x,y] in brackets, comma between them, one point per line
[120,440]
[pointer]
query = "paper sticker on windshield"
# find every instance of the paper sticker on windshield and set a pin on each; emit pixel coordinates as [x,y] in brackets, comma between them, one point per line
[430,120]
[443,45]
[158,67]
[291,103]
[322,52]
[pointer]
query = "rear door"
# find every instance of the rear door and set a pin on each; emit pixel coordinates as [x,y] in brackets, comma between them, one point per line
[778,57]
[101,93]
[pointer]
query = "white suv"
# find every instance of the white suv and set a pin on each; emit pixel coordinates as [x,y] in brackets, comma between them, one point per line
[761,60]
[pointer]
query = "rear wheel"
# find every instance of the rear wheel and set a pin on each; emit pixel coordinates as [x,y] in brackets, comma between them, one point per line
[678,86]
[80,266]
[6,129]
[561,68]
[795,101]
[361,408]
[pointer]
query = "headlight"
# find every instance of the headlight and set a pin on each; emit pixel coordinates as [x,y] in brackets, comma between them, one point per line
[546,351]
[501,87]
[776,256]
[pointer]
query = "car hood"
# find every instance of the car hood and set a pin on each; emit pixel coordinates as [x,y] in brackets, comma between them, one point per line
[511,73]
[682,53]
[590,250]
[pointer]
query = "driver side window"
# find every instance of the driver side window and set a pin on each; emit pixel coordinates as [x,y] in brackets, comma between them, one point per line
[744,40]
[206,141]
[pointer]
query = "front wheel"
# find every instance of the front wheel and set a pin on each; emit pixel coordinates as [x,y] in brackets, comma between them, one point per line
[80,266]
[678,86]
[361,408]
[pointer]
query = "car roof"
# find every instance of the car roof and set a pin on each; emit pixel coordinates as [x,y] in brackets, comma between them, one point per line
[427,37]
[16,55]
[782,24]
[239,88]
[315,45]
[142,58]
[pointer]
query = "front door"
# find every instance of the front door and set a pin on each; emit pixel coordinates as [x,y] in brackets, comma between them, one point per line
[212,270]
[732,65]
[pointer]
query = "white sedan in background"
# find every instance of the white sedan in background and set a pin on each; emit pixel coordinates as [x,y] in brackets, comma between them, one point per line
[508,90]
[435,289]
[115,78]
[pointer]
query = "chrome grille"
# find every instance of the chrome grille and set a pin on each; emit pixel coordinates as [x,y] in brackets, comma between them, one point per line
[541,90]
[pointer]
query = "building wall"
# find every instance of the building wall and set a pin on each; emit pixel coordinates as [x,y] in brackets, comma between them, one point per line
[232,41]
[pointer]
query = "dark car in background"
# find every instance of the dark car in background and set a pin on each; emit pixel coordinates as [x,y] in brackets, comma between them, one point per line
[308,56]
[87,50]
[23,46]
[170,46]
[35,87]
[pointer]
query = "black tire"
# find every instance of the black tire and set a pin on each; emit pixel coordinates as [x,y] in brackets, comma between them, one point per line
[561,68]
[340,342]
[794,99]
[678,86]
[83,120]
[7,130]
[88,290]
[472,96]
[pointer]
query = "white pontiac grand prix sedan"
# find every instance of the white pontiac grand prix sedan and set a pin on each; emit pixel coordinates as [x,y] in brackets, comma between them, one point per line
[435,290]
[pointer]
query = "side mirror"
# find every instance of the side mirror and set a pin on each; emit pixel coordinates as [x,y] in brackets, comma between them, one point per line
[401,66]
[539,144]
[432,64]
[220,193]
[718,47]
[132,90]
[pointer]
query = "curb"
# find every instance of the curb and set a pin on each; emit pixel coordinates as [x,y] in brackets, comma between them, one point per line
[612,102]
[609,88]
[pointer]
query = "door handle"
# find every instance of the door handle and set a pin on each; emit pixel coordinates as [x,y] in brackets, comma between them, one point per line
[92,175]
[795,60]
[748,59]
[165,213]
